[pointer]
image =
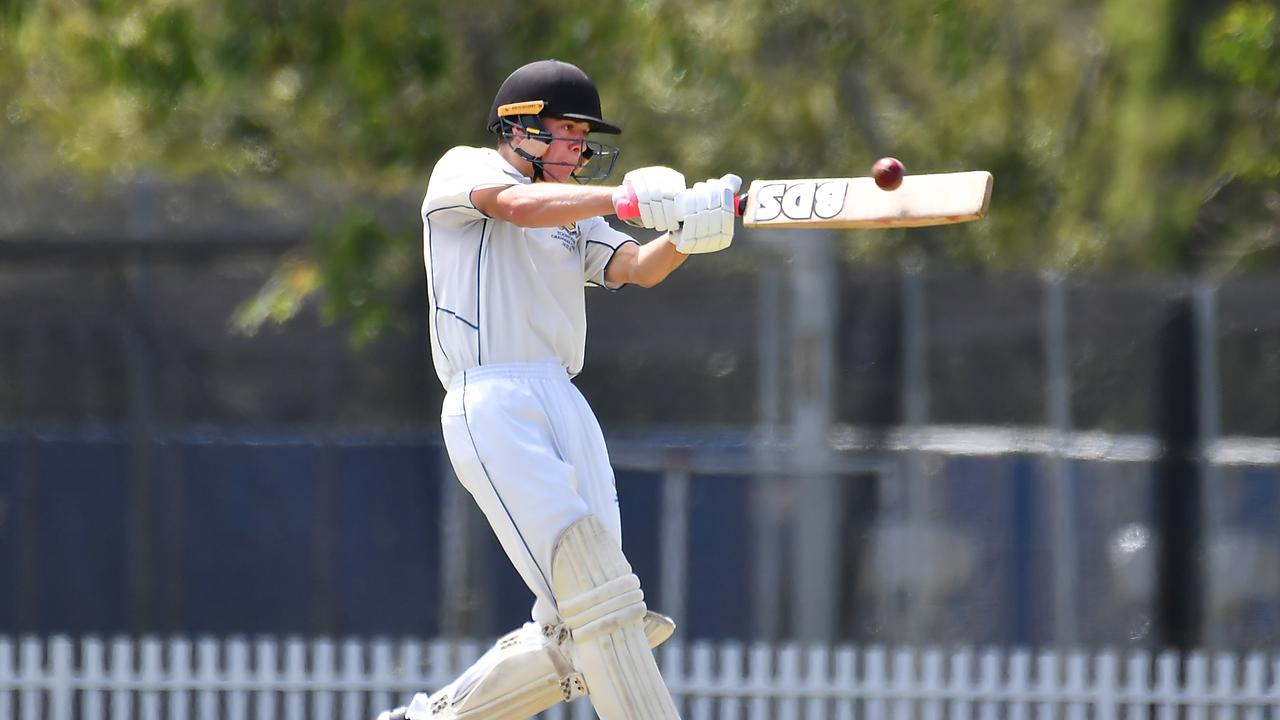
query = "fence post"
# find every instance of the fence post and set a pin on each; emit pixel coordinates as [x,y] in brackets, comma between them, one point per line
[1166,686]
[94,677]
[699,684]
[410,677]
[1058,402]
[847,681]
[913,623]
[1137,686]
[904,679]
[30,666]
[61,691]
[353,675]
[6,679]
[961,684]
[1208,427]
[674,541]
[1255,671]
[1106,679]
[731,675]
[152,678]
[382,674]
[816,546]
[875,682]
[1196,686]
[789,677]
[672,667]
[817,682]
[989,685]
[207,674]
[1019,688]
[1046,686]
[1077,687]
[180,679]
[1226,690]
[932,686]
[121,671]
[267,675]
[323,678]
[770,519]
[760,681]
[295,677]
[238,679]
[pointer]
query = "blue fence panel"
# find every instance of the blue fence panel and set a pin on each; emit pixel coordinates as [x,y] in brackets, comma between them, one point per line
[81,535]
[640,500]
[1259,507]
[721,546]
[247,559]
[388,539]
[9,450]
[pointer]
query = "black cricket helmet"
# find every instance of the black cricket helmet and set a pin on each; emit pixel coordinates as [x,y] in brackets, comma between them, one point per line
[552,88]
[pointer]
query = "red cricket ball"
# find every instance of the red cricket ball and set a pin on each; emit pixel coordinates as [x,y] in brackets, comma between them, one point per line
[888,173]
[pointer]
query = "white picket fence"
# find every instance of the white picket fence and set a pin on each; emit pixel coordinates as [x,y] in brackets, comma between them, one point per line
[264,679]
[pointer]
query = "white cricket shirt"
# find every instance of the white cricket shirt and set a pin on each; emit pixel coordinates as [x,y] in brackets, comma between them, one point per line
[501,293]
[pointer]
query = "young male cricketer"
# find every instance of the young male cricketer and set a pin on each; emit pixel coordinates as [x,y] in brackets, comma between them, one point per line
[510,241]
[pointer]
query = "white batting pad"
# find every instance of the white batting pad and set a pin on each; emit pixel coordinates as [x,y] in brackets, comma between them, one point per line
[602,605]
[524,673]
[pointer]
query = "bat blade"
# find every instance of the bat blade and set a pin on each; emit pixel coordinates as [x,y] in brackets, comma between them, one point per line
[921,201]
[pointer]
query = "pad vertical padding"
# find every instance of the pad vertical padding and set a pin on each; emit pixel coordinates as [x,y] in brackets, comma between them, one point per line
[603,607]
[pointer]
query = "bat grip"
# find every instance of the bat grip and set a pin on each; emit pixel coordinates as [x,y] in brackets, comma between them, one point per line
[628,208]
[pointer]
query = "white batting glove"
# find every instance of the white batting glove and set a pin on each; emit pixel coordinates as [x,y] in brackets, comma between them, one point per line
[655,189]
[708,212]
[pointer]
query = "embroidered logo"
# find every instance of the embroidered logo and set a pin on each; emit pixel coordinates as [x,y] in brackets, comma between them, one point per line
[568,236]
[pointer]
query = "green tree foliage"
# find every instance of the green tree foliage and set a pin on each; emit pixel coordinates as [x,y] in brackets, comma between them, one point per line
[1122,135]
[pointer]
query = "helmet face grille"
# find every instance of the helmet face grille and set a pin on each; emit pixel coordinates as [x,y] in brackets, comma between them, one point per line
[596,163]
[549,88]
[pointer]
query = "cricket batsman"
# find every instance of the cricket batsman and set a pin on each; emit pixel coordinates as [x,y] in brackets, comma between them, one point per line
[510,240]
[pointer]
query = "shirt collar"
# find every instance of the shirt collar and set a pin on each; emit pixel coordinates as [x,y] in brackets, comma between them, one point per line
[510,169]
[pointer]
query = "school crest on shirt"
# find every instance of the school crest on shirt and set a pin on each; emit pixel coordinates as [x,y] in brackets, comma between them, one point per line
[568,236]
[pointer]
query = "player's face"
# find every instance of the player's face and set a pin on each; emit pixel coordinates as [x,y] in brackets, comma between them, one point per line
[570,139]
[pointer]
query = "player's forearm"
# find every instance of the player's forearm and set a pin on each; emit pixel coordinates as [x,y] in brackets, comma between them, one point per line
[550,204]
[654,261]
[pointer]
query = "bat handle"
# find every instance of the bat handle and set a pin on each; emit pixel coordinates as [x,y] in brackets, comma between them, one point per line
[628,208]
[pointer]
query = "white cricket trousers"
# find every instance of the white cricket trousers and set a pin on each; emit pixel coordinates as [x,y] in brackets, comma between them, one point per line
[525,444]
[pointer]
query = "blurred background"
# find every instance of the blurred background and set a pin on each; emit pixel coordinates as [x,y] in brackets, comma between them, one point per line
[1057,427]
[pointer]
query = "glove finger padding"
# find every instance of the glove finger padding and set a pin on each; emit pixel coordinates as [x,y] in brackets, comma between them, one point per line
[656,189]
[708,216]
[670,218]
[727,204]
[641,190]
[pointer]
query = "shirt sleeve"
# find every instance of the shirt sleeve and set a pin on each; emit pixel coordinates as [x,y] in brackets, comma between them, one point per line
[599,243]
[461,171]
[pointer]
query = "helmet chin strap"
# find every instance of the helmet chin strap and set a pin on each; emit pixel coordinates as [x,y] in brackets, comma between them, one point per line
[530,126]
[536,162]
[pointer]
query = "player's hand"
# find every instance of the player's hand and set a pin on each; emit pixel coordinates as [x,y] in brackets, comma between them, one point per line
[655,189]
[708,213]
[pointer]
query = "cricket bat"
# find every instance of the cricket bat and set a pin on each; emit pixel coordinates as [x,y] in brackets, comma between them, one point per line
[857,202]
